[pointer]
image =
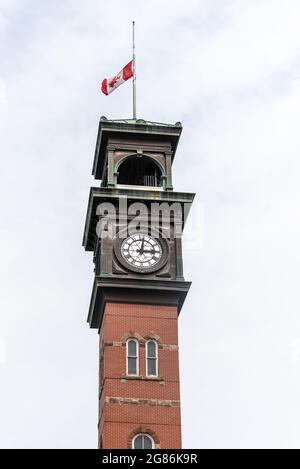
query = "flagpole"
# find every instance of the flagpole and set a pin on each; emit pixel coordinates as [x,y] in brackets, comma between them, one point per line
[134,72]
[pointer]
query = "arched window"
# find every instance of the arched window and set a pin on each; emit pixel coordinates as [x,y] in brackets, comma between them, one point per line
[132,357]
[140,170]
[151,358]
[143,441]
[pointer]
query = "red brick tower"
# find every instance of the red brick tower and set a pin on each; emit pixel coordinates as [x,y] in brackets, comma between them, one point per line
[133,225]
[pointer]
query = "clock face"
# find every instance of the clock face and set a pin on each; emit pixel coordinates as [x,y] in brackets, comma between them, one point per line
[142,253]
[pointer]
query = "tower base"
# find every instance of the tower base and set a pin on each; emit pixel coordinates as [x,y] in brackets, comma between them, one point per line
[133,405]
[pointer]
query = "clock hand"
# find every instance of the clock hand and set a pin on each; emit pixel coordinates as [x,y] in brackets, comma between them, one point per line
[141,251]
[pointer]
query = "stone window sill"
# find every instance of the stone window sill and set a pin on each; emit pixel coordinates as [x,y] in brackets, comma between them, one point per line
[142,378]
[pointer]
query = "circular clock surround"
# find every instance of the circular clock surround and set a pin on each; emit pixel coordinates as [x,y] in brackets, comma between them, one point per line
[141,252]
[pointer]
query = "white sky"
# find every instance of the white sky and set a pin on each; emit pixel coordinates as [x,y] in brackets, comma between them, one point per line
[229,70]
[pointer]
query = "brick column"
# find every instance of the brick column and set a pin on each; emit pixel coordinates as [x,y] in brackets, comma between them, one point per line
[131,405]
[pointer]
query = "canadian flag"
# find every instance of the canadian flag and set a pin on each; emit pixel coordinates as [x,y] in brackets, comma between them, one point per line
[110,84]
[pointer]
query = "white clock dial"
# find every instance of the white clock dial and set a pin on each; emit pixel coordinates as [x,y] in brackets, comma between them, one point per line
[141,251]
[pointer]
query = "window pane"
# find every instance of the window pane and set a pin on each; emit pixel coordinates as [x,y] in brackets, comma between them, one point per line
[151,349]
[147,442]
[138,442]
[142,441]
[132,366]
[152,366]
[132,348]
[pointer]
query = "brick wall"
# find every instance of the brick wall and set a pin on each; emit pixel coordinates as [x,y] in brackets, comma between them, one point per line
[132,405]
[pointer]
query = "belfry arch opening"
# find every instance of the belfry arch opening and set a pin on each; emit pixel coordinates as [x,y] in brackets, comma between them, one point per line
[140,170]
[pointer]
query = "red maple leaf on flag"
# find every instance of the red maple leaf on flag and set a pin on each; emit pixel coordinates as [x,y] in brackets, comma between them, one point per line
[114,81]
[110,84]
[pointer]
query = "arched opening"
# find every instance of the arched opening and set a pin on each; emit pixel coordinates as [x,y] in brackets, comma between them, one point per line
[143,441]
[140,170]
[141,437]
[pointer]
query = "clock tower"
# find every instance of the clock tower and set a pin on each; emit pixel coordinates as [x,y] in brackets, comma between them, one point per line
[133,226]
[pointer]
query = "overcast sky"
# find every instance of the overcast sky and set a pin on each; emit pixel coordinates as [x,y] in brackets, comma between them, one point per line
[229,70]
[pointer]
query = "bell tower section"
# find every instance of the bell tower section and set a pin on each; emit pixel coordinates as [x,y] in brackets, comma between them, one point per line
[134,225]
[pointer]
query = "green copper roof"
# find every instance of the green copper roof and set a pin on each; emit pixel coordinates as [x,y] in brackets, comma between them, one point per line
[139,122]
